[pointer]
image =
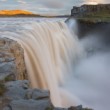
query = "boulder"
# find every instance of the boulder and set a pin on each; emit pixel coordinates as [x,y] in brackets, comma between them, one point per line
[11,60]
[13,90]
[29,104]
[78,108]
[19,96]
[16,89]
[37,94]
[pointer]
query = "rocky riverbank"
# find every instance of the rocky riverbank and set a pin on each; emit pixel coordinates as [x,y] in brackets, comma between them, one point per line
[15,91]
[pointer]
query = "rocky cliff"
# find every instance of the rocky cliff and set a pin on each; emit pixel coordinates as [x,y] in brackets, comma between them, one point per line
[100,12]
[86,9]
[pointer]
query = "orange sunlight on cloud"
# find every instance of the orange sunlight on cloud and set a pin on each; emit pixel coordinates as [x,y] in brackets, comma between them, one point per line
[94,2]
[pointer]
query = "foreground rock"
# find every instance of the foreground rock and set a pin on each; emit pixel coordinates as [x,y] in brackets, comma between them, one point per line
[19,96]
[12,64]
[29,105]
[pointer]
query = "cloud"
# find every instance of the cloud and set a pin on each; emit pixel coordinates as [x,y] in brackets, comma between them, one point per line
[22,2]
[53,4]
[44,6]
[3,0]
[42,9]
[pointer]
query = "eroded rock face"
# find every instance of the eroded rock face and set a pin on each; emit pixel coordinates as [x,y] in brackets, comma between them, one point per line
[11,60]
[30,104]
[20,97]
[37,94]
[86,9]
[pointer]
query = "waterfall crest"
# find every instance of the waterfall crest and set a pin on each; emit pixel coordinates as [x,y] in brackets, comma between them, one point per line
[50,51]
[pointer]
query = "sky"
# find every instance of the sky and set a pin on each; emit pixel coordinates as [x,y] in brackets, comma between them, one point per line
[55,7]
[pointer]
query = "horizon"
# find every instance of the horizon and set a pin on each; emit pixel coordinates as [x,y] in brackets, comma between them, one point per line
[46,7]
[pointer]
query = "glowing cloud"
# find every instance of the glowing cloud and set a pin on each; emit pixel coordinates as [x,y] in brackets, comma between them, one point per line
[95,2]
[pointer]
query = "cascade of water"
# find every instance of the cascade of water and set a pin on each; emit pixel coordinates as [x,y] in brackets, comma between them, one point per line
[52,61]
[50,51]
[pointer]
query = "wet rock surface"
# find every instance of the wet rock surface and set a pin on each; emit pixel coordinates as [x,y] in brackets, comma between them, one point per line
[85,28]
[19,97]
[78,108]
[11,60]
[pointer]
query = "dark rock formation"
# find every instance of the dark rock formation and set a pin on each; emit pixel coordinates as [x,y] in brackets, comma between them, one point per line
[78,108]
[12,64]
[19,97]
[86,28]
[87,9]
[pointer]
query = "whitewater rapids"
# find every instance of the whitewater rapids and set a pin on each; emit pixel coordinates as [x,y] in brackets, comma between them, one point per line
[50,52]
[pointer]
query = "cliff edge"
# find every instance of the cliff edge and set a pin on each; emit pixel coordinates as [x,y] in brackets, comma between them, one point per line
[100,12]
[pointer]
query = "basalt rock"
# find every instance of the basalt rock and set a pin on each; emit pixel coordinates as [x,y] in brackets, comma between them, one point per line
[87,9]
[19,96]
[85,28]
[12,64]
[78,108]
[92,13]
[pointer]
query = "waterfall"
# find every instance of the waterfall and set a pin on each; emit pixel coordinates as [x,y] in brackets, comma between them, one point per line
[50,52]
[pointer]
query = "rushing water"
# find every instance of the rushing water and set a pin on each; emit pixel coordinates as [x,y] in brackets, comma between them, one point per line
[50,52]
[56,60]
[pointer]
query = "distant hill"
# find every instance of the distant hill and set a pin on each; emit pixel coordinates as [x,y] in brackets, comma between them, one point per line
[15,12]
[24,13]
